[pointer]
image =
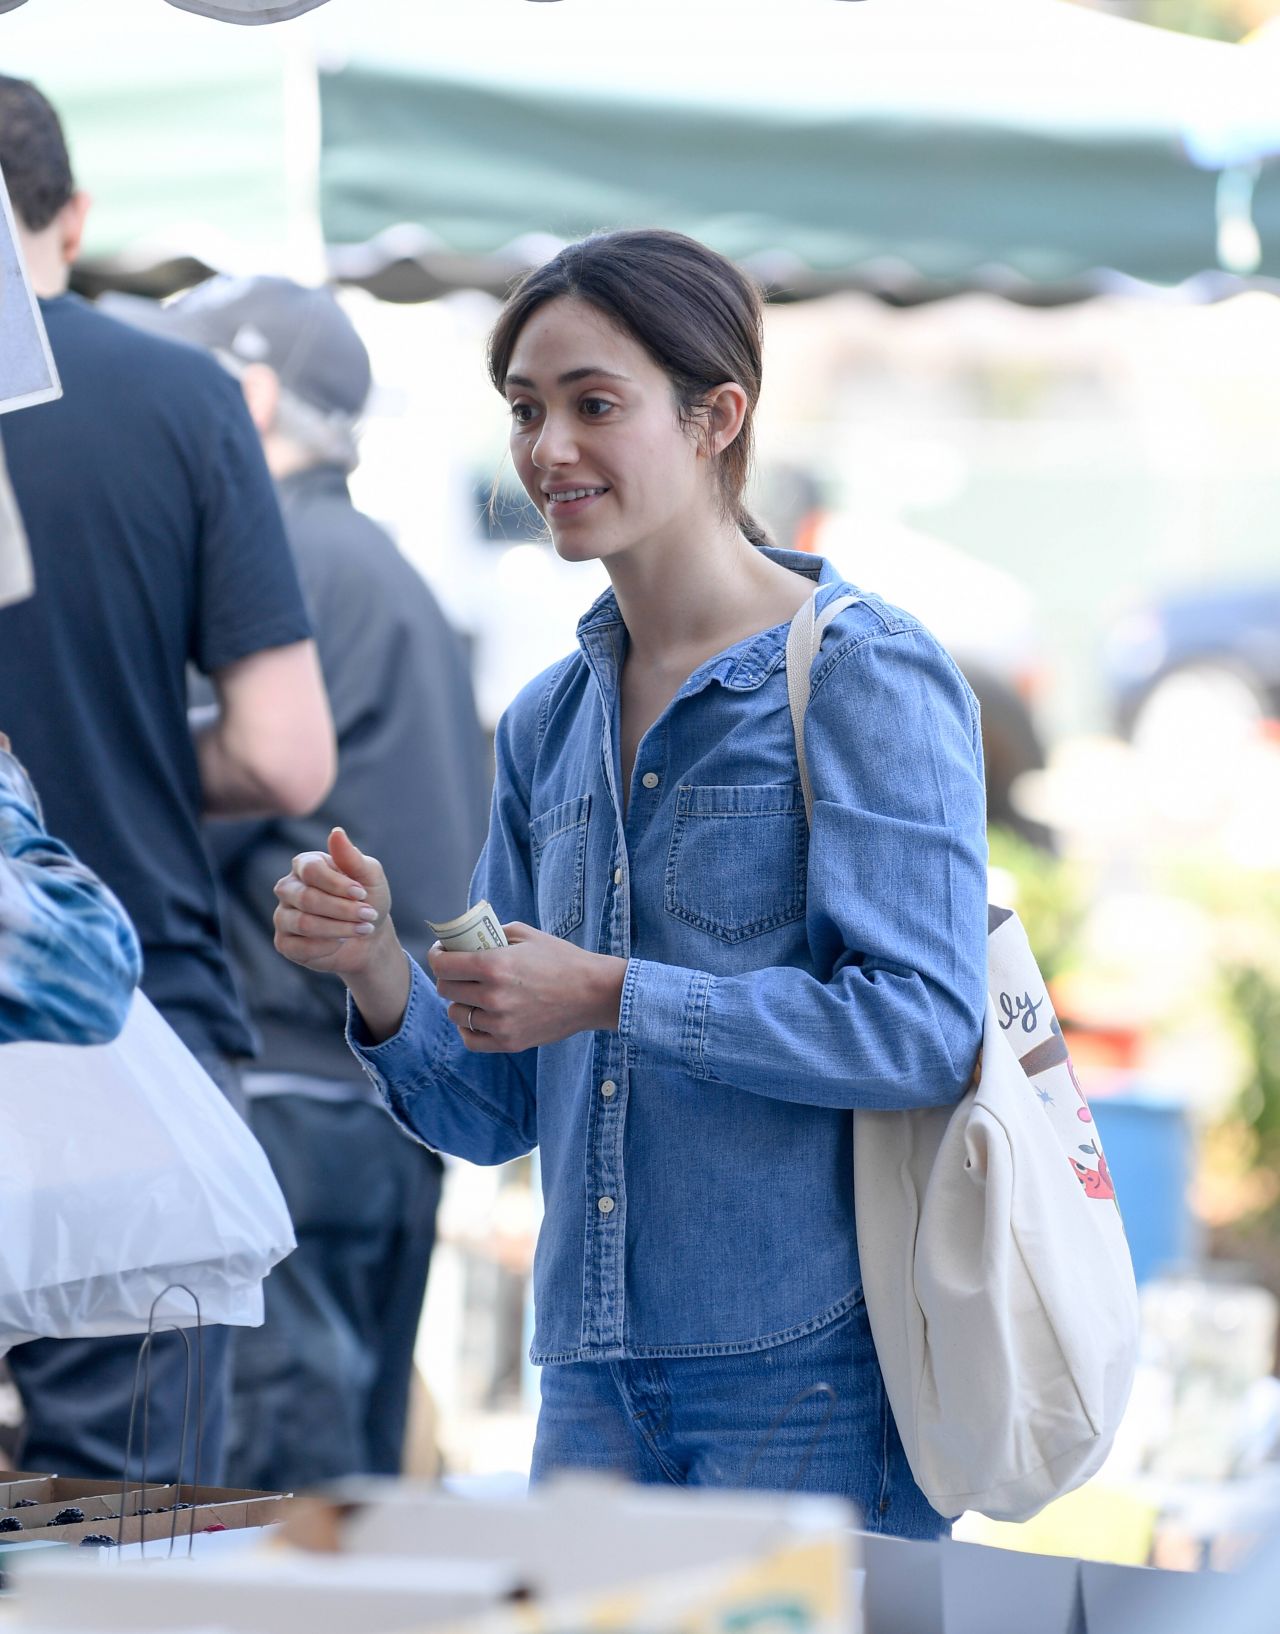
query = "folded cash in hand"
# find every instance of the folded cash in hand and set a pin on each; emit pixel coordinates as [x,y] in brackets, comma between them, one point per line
[476,930]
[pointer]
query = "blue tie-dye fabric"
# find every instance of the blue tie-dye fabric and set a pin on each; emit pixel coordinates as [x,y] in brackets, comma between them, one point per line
[69,959]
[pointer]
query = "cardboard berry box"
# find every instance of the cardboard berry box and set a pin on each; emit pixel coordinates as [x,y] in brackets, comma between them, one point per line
[129,1513]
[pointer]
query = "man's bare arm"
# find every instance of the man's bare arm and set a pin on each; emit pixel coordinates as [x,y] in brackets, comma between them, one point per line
[267,747]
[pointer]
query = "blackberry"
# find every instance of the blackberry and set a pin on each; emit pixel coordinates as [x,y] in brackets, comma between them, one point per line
[11,1523]
[67,1517]
[97,1540]
[25,1503]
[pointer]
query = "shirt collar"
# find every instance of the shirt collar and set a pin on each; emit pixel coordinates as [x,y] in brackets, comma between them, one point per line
[741,667]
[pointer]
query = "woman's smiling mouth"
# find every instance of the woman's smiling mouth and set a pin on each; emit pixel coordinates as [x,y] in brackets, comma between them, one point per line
[564,502]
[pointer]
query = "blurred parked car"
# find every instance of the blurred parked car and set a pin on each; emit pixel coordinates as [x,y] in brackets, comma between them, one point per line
[1199,665]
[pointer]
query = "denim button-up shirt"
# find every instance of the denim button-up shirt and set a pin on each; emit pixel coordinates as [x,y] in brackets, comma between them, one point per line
[697,1162]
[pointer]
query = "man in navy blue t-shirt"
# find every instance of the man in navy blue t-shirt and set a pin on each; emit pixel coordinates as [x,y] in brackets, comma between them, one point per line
[157,543]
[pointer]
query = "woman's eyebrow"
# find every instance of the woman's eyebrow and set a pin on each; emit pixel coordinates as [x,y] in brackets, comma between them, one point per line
[590,372]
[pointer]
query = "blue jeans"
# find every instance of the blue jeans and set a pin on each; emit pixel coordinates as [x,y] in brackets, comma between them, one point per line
[808,1416]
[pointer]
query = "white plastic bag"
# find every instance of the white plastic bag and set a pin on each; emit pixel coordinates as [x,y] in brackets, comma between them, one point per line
[123,1169]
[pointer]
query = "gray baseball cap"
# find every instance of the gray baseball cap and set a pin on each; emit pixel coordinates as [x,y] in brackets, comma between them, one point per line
[300,333]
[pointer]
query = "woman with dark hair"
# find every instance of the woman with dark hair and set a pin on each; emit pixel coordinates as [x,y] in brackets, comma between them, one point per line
[697,990]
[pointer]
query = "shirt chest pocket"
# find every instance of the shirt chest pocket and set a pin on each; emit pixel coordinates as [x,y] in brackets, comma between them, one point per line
[736,867]
[558,841]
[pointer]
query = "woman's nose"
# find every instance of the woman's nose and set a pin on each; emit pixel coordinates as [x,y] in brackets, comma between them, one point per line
[555,444]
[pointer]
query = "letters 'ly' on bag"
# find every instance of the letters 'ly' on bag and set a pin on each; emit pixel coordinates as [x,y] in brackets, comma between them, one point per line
[997,1276]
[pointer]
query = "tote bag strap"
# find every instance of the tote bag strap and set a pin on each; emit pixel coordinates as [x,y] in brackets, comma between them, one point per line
[803,642]
[1012,966]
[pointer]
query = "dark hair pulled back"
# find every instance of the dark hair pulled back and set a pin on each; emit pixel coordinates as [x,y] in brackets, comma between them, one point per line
[697,316]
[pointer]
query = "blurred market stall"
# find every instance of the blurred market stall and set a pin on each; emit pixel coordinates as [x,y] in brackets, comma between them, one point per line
[1017,476]
[913,149]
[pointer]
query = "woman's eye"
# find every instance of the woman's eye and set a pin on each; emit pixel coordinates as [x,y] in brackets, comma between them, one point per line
[522,413]
[595,408]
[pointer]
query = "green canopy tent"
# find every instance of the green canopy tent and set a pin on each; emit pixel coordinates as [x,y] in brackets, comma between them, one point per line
[912,147]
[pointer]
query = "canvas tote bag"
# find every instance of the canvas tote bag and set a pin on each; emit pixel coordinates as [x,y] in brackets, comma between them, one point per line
[997,1277]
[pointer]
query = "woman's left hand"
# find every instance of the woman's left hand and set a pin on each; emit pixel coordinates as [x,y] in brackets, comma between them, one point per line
[538,990]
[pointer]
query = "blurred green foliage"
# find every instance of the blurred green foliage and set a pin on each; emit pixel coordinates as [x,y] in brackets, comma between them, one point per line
[1253,993]
[1215,19]
[1242,925]
[1245,909]
[1050,897]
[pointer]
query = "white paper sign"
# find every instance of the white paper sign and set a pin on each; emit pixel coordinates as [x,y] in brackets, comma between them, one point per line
[27,371]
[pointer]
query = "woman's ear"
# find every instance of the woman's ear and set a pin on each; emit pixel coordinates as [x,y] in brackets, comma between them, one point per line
[724,409]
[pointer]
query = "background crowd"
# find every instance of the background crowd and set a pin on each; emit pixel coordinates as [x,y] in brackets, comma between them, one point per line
[230,661]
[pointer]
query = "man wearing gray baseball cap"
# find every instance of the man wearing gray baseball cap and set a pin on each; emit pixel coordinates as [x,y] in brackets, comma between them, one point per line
[321,1389]
[272,327]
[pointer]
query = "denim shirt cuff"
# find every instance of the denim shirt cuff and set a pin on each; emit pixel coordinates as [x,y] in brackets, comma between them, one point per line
[664,1012]
[399,1058]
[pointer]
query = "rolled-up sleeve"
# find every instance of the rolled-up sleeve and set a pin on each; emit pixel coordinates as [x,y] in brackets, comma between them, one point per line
[472,1106]
[890,1015]
[69,957]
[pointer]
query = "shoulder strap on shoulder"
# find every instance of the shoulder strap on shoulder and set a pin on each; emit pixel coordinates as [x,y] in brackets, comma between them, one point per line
[804,640]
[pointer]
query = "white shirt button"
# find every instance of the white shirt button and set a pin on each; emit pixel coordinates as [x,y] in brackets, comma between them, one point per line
[650,780]
[608,1089]
[617,876]
[605,1205]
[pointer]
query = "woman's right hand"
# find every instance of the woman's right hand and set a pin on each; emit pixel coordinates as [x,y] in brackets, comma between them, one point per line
[333,910]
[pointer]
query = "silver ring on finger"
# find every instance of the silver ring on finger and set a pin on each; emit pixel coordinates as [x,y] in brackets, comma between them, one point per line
[471,1026]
